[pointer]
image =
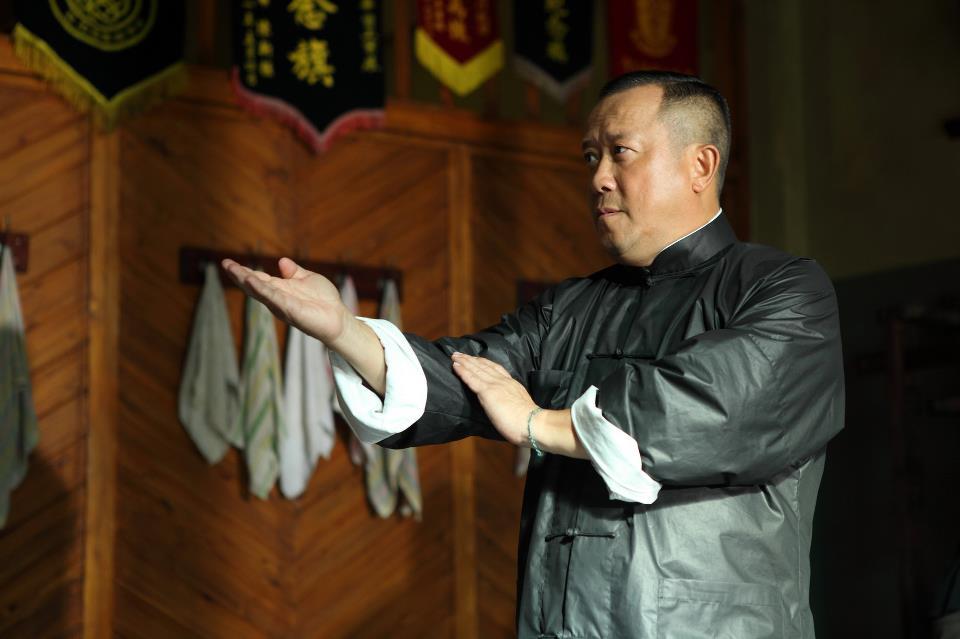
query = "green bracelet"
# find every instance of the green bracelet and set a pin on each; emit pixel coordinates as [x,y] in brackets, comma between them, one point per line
[533,442]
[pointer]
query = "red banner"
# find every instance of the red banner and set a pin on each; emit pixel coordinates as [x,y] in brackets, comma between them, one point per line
[459,42]
[652,34]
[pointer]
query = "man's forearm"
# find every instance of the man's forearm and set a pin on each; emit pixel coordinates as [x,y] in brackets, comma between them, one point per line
[361,347]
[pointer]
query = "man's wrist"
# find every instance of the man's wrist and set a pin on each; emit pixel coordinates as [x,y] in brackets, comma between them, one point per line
[554,433]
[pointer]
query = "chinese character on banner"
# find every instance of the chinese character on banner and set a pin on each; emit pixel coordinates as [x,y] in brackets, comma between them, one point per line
[314,64]
[652,34]
[458,42]
[553,43]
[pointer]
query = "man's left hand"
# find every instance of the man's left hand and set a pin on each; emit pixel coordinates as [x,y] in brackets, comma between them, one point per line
[504,399]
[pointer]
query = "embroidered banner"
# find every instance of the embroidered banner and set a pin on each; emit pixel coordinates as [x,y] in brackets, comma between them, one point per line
[458,41]
[553,44]
[652,34]
[314,64]
[110,58]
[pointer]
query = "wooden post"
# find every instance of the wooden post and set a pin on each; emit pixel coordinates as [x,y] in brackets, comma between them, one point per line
[464,453]
[102,402]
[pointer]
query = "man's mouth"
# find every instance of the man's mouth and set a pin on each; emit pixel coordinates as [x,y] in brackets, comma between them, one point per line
[606,212]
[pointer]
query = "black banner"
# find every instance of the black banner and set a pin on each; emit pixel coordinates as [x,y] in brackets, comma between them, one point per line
[314,64]
[108,57]
[553,44]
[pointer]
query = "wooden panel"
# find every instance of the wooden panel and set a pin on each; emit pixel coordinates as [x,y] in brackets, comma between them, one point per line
[379,202]
[194,550]
[532,222]
[43,155]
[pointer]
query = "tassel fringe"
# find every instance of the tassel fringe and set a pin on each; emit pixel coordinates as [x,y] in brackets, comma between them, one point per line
[78,91]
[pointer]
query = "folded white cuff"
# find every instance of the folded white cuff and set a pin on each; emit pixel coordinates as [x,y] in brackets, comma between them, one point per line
[405,399]
[614,453]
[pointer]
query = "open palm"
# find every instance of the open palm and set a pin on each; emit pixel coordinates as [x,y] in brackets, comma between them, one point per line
[300,297]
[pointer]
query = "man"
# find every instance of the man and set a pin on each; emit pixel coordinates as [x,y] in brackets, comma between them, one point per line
[690,390]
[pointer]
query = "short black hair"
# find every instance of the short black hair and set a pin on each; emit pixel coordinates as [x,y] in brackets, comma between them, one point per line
[702,116]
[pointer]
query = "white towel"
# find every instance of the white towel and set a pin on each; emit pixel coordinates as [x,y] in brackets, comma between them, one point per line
[359,451]
[308,412]
[18,419]
[391,474]
[261,413]
[209,396]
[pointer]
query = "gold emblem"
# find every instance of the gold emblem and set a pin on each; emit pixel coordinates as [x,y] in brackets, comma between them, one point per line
[108,25]
[653,32]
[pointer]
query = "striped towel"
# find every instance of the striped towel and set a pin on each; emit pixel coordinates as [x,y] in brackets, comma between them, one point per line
[308,412]
[209,396]
[391,474]
[18,420]
[359,451]
[261,413]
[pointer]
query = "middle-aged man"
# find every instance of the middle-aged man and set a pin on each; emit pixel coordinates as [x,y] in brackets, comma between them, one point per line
[689,392]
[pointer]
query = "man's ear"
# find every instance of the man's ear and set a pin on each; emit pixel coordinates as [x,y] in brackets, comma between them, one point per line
[704,167]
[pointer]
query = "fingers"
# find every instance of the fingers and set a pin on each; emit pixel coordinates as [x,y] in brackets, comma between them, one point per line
[259,286]
[479,373]
[482,365]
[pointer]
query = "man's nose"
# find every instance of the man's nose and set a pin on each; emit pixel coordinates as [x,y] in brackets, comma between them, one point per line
[603,181]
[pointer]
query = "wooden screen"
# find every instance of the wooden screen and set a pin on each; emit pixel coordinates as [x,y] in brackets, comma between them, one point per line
[44,158]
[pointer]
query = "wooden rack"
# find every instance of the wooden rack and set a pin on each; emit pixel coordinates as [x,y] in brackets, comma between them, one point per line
[19,243]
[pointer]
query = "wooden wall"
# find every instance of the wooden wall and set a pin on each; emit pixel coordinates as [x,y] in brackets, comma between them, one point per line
[44,163]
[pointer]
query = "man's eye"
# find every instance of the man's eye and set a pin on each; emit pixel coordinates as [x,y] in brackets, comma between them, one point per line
[619,149]
[590,158]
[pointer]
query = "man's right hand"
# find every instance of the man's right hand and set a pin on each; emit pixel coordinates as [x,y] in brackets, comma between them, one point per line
[312,303]
[302,298]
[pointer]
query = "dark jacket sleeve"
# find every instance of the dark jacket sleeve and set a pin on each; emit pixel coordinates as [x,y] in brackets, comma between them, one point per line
[453,411]
[741,404]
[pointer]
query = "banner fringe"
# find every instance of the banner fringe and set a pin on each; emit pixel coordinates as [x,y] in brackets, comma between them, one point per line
[38,56]
[319,142]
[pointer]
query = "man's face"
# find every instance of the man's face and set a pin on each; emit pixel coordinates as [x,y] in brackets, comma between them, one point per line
[639,178]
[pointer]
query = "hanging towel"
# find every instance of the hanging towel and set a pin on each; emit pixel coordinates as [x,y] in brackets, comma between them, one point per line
[392,474]
[209,397]
[308,412]
[18,420]
[261,413]
[359,451]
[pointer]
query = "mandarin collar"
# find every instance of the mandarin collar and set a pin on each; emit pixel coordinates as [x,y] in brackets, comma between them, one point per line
[686,254]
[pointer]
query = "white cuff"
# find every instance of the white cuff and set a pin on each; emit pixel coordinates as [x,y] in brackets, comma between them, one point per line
[405,398]
[614,453]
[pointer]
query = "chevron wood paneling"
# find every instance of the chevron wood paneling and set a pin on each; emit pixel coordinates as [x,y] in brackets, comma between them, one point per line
[43,164]
[194,550]
[532,222]
[378,201]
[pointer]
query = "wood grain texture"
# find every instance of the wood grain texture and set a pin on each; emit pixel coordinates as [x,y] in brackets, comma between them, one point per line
[103,304]
[387,203]
[43,176]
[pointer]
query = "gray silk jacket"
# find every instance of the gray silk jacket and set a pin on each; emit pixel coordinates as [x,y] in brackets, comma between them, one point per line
[723,361]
